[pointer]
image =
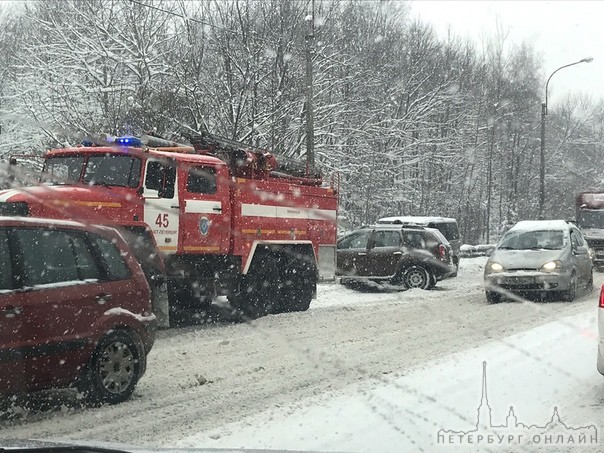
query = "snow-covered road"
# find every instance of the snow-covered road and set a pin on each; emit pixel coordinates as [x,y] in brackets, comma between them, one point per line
[360,371]
[551,366]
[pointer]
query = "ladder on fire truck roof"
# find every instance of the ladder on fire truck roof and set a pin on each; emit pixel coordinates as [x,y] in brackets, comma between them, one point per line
[243,159]
[234,152]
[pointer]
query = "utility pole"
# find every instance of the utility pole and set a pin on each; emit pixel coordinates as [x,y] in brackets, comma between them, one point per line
[310,135]
[542,154]
[542,163]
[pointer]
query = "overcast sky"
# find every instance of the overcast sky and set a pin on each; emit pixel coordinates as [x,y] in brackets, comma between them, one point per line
[561,31]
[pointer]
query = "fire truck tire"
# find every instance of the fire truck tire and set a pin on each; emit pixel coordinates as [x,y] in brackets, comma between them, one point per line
[298,285]
[257,291]
[282,283]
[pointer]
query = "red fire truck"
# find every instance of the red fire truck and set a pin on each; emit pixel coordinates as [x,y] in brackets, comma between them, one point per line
[214,217]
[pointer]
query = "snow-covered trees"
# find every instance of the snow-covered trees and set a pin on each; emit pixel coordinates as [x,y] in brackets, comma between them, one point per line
[413,123]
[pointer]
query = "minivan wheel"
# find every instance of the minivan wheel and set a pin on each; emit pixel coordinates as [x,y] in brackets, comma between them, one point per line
[115,369]
[417,277]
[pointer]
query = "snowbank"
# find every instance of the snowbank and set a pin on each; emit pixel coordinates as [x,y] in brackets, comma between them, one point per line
[469,251]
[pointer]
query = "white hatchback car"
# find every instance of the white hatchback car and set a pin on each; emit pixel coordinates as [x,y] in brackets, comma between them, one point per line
[539,256]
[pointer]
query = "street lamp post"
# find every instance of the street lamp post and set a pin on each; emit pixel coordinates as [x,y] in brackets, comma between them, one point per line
[543,115]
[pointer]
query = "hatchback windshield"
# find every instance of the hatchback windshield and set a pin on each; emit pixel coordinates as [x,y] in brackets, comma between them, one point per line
[533,240]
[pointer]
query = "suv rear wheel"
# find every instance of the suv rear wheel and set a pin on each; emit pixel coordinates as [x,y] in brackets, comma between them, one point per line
[417,276]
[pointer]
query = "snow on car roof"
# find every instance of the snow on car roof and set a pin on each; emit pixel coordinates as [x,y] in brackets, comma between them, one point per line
[541,225]
[416,219]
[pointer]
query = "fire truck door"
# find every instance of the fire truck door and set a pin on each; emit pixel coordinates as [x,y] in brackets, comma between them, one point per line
[161,203]
[206,217]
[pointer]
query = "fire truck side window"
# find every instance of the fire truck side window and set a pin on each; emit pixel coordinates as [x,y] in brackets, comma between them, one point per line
[161,177]
[201,180]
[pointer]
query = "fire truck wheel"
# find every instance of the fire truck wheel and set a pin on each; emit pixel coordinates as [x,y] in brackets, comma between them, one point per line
[257,292]
[284,283]
[298,284]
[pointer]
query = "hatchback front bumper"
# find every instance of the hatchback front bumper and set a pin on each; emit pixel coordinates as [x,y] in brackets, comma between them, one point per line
[529,281]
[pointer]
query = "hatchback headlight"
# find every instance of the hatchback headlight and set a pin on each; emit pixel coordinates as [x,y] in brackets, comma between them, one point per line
[551,266]
[494,267]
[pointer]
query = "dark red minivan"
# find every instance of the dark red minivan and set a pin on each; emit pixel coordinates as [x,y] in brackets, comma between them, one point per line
[75,310]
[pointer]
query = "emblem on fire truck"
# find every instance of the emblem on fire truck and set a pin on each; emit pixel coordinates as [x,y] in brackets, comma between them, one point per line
[204,225]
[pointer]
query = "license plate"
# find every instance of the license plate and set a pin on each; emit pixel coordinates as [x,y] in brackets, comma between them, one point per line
[521,280]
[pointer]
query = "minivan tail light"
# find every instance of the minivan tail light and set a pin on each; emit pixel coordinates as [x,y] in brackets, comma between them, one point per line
[442,251]
[602,297]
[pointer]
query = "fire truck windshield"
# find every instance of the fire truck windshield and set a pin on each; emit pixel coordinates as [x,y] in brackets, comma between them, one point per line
[106,170]
[62,170]
[113,170]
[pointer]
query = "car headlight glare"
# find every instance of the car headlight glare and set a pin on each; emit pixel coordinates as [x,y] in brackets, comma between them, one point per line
[551,266]
[495,267]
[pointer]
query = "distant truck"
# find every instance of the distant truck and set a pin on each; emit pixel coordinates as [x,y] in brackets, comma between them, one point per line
[590,220]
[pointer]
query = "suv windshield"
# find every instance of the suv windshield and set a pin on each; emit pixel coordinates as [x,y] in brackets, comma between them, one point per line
[109,169]
[533,240]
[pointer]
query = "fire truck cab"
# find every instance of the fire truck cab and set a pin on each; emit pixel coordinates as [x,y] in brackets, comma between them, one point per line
[214,218]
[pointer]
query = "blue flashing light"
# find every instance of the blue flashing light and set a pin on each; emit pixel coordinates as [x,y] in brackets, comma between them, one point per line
[128,141]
